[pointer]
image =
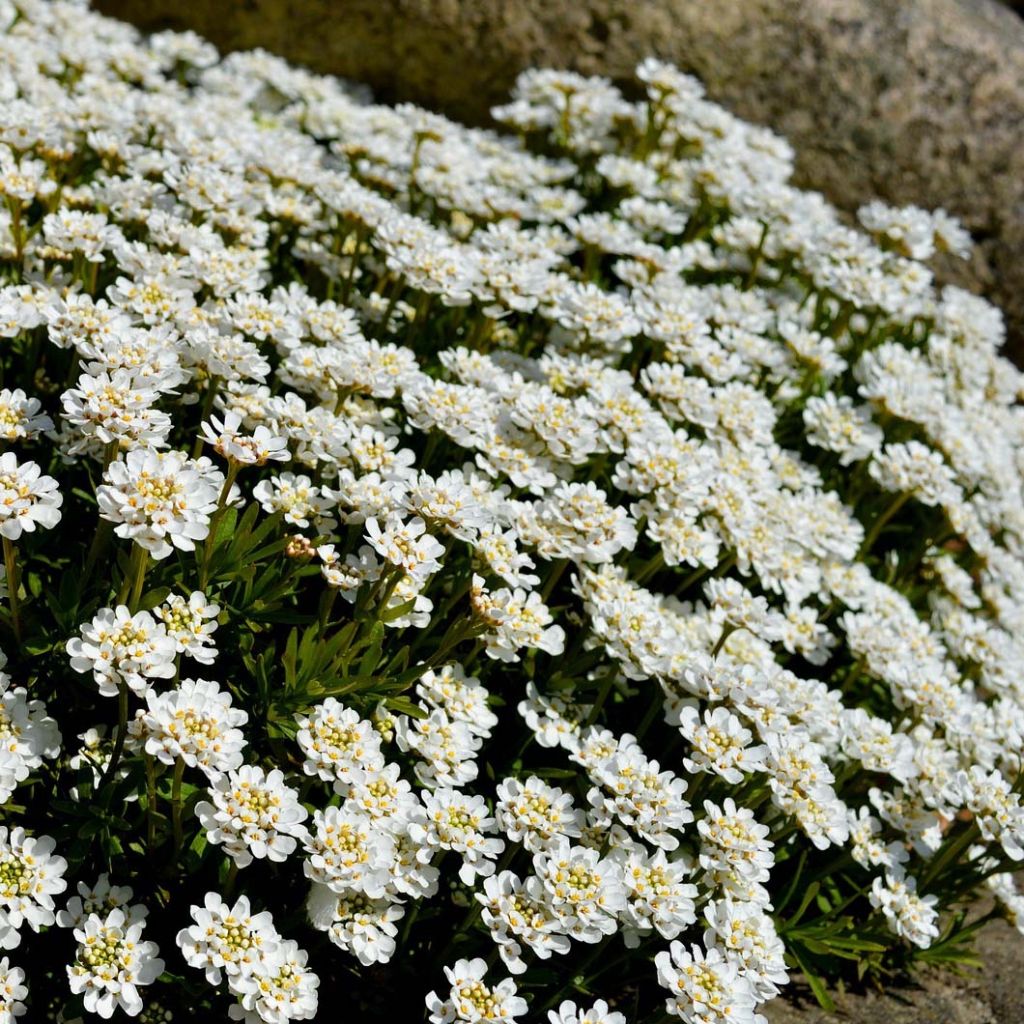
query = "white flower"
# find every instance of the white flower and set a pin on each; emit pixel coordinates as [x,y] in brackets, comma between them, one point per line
[706,987]
[500,550]
[116,407]
[27,498]
[519,915]
[349,574]
[27,735]
[160,500]
[121,648]
[355,923]
[279,988]
[30,876]
[448,748]
[996,807]
[349,852]
[191,623]
[20,418]
[721,744]
[100,899]
[517,620]
[405,544]
[536,814]
[300,502]
[585,892]
[244,449]
[639,794]
[226,939]
[470,999]
[576,521]
[381,792]
[338,745]
[253,815]
[910,916]
[836,424]
[449,502]
[77,231]
[657,896]
[599,1013]
[732,841]
[461,697]
[554,720]
[112,963]
[747,934]
[197,723]
[914,468]
[12,991]
[460,822]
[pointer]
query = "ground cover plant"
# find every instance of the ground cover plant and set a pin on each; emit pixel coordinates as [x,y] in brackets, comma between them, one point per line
[558,574]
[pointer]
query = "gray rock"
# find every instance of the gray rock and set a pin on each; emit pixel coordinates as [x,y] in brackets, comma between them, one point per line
[908,100]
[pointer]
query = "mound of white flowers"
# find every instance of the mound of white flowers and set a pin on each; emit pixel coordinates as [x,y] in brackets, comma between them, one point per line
[564,576]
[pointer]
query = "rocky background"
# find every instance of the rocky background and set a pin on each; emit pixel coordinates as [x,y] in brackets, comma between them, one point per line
[912,101]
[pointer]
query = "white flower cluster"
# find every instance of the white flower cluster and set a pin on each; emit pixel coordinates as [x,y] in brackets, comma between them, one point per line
[613,443]
[266,973]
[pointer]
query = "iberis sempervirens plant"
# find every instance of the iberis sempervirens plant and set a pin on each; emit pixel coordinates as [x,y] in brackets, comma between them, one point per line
[563,574]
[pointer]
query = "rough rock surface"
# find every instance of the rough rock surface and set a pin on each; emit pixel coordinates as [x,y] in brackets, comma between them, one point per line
[908,100]
[992,996]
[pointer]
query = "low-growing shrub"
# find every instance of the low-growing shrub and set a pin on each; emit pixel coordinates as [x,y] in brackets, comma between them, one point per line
[564,575]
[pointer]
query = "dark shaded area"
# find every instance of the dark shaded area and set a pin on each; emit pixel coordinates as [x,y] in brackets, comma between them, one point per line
[912,101]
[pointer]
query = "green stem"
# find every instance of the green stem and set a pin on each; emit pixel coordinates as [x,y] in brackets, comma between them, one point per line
[474,912]
[410,920]
[949,855]
[755,263]
[179,774]
[104,527]
[327,600]
[695,577]
[650,567]
[878,525]
[11,565]
[580,973]
[452,639]
[392,302]
[727,631]
[353,265]
[231,879]
[140,560]
[552,581]
[602,696]
[211,538]
[150,804]
[656,705]
[122,729]
[204,415]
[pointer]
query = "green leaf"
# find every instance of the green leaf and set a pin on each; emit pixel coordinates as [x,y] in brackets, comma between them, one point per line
[390,614]
[289,659]
[405,706]
[810,893]
[817,985]
[152,598]
[791,889]
[226,527]
[375,642]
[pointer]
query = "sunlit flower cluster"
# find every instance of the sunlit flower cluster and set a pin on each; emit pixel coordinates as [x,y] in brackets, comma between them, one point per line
[559,573]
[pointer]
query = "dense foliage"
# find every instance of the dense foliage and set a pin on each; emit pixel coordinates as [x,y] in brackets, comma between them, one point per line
[566,575]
